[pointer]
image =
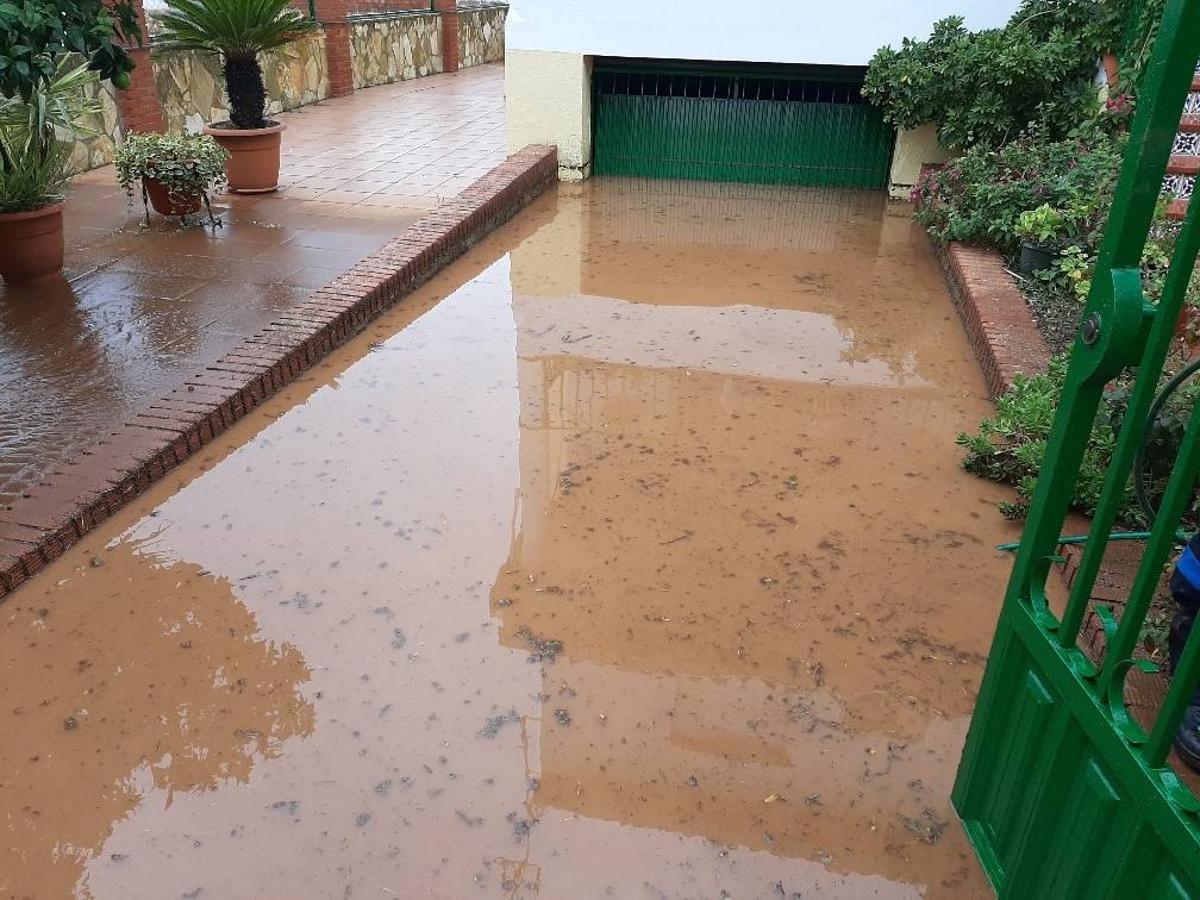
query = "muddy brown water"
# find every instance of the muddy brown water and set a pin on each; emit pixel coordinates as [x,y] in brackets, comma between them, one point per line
[630,557]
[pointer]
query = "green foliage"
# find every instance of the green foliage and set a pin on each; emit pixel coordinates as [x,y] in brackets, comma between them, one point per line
[1071,273]
[35,35]
[986,87]
[1044,226]
[186,165]
[33,162]
[1010,446]
[239,30]
[980,197]
[232,26]
[1140,20]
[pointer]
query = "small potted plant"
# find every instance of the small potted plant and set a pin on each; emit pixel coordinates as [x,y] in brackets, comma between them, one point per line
[1041,231]
[239,30]
[34,171]
[175,172]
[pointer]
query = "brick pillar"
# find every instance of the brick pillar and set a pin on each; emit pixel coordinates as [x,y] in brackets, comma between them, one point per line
[139,106]
[449,11]
[332,16]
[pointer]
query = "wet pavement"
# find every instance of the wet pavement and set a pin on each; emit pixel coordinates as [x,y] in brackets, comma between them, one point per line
[140,308]
[629,557]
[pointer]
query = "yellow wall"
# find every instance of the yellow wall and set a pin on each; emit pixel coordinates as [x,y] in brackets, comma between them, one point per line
[914,147]
[549,101]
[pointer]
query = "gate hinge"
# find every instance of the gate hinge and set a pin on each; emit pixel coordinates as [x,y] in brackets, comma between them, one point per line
[1115,333]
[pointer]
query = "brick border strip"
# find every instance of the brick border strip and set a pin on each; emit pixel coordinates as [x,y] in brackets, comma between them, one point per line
[997,320]
[41,524]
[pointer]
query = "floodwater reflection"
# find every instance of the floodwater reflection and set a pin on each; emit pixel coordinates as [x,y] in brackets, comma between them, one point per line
[629,557]
[153,682]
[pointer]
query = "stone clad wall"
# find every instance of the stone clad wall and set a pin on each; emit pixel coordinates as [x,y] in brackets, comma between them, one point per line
[481,34]
[191,87]
[95,143]
[395,47]
[384,48]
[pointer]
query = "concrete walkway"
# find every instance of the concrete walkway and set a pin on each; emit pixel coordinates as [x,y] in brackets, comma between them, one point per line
[141,307]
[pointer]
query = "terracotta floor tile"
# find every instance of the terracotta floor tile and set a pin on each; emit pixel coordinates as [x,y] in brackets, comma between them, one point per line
[364,185]
[142,307]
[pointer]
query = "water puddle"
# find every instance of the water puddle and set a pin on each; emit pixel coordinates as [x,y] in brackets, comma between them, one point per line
[630,558]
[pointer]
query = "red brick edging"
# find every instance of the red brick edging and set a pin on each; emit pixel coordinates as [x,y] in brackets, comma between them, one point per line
[71,501]
[998,322]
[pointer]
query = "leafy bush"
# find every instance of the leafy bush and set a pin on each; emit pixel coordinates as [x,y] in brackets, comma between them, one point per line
[1044,226]
[186,165]
[1140,20]
[1010,446]
[33,162]
[986,87]
[980,197]
[35,35]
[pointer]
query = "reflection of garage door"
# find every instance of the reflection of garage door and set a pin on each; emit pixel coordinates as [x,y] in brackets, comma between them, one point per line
[766,125]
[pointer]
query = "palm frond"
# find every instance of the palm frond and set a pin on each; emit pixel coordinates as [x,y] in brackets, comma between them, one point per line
[231,26]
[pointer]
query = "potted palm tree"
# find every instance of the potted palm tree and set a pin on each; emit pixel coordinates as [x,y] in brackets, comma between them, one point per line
[34,170]
[239,30]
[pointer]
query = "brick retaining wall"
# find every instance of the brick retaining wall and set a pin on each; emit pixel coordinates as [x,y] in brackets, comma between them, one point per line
[73,500]
[995,315]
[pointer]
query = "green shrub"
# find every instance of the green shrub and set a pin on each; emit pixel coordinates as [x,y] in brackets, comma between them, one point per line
[35,36]
[987,87]
[980,197]
[1010,446]
[1140,19]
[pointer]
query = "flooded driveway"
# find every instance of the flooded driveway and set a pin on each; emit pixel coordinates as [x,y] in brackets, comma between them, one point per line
[630,557]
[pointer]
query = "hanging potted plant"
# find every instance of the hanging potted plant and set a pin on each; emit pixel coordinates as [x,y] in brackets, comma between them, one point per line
[239,30]
[174,172]
[34,170]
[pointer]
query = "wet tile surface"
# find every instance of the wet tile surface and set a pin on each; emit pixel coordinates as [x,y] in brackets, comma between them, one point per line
[630,557]
[140,307]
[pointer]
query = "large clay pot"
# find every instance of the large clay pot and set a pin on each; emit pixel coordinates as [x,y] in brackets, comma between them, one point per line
[166,204]
[31,243]
[253,165]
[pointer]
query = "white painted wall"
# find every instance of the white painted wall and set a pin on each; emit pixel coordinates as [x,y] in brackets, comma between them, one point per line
[842,32]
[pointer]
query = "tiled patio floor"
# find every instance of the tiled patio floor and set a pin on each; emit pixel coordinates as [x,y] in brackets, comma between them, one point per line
[141,307]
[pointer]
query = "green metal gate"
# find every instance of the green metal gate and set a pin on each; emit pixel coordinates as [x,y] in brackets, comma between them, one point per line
[764,125]
[1062,792]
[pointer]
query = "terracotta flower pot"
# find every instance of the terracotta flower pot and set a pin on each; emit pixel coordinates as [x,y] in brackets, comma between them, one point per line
[31,243]
[166,204]
[253,165]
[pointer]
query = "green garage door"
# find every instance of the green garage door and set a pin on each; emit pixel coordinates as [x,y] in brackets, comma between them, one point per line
[762,125]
